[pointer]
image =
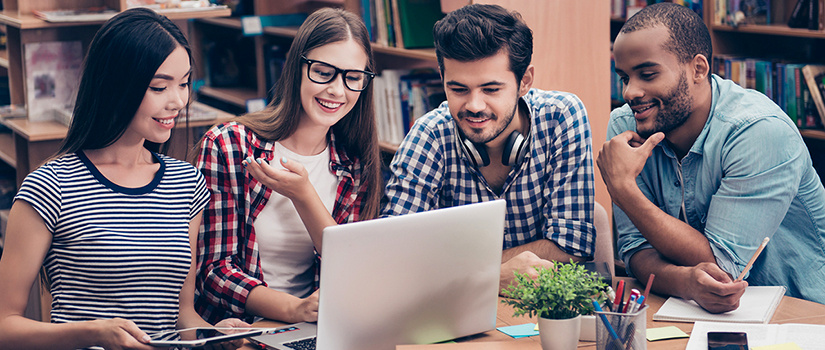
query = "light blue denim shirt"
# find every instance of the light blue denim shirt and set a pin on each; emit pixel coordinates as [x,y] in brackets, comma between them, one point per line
[747,176]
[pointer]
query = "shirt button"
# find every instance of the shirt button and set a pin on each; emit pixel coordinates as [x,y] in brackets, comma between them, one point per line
[677,183]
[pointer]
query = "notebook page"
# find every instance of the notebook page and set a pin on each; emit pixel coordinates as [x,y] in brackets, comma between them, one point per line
[757,305]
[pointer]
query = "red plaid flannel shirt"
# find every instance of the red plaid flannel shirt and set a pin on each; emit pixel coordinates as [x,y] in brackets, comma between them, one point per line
[228,259]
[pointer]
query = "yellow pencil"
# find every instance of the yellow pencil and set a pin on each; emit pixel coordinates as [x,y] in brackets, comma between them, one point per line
[753,258]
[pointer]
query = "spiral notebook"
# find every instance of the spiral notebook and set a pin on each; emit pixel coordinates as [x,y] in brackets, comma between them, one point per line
[757,305]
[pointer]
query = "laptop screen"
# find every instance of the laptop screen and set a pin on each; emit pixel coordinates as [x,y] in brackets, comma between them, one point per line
[412,279]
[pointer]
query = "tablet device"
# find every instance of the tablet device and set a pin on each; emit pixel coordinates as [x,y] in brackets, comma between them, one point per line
[200,336]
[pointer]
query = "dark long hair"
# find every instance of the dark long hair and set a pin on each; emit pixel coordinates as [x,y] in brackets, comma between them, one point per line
[356,132]
[122,59]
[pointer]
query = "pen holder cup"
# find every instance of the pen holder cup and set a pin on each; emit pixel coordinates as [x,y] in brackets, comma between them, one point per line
[627,331]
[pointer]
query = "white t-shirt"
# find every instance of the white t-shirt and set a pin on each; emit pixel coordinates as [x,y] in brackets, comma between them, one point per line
[285,248]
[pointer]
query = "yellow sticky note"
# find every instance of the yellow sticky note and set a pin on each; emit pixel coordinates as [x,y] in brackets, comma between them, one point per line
[784,346]
[537,327]
[670,332]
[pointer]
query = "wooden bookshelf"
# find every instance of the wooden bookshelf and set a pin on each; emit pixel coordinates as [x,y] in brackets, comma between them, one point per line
[7,149]
[227,22]
[4,59]
[31,143]
[34,142]
[774,29]
[29,21]
[813,134]
[233,95]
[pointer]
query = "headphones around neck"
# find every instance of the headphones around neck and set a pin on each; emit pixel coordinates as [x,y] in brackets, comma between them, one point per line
[515,148]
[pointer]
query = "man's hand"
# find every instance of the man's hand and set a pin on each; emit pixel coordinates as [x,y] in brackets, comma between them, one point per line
[623,157]
[713,289]
[524,262]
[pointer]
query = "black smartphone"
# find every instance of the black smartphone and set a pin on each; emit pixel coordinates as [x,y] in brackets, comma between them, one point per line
[727,341]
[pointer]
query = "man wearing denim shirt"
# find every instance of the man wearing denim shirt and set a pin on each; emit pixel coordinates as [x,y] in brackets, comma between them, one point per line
[701,171]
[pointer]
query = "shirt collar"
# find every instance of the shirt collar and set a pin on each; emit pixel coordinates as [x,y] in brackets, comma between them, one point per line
[337,154]
[699,145]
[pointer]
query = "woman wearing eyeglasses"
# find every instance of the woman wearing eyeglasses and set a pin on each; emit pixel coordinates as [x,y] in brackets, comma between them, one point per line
[280,176]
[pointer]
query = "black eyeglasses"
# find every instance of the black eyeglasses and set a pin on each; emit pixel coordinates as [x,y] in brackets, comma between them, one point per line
[323,73]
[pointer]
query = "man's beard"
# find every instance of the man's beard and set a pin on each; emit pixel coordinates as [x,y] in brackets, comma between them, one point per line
[674,110]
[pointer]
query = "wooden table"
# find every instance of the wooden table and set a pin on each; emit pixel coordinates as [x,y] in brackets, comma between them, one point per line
[790,310]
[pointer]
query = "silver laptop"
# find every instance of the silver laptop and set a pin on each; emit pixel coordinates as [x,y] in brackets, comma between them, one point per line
[413,279]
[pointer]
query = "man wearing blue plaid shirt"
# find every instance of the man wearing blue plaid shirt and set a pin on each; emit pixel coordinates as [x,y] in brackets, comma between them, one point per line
[471,149]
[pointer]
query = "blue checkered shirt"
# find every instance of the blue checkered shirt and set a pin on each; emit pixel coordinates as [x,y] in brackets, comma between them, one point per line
[549,194]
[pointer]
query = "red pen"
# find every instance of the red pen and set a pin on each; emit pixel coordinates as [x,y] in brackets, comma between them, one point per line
[634,295]
[647,289]
[619,296]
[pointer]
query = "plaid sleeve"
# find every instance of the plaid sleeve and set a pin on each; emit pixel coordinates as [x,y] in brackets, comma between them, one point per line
[223,279]
[571,189]
[415,173]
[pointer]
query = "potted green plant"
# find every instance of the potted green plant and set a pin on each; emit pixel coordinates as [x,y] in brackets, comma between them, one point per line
[558,296]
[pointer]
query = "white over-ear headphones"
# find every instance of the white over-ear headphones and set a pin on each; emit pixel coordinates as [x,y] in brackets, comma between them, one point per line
[515,148]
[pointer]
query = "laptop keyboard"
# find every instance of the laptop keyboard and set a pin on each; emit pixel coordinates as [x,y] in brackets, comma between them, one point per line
[304,344]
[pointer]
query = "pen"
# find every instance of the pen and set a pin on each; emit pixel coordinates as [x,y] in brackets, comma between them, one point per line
[640,303]
[628,335]
[630,303]
[635,292]
[616,342]
[647,290]
[753,258]
[611,296]
[619,296]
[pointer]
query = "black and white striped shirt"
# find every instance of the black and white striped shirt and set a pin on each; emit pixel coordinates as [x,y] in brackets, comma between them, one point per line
[116,251]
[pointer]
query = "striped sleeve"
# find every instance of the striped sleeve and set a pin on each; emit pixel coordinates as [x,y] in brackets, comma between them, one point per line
[41,190]
[201,197]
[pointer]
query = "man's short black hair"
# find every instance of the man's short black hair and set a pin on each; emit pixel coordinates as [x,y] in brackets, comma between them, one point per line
[479,31]
[689,35]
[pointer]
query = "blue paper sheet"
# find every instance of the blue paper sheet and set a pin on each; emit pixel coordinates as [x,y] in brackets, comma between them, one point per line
[520,331]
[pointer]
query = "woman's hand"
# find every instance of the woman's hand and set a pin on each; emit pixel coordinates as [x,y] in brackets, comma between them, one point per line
[292,181]
[118,333]
[306,309]
[232,344]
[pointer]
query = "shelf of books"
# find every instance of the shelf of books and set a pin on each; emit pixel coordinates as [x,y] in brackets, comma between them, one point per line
[775,47]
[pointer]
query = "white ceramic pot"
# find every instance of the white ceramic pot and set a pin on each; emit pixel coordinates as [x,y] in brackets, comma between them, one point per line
[588,328]
[559,334]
